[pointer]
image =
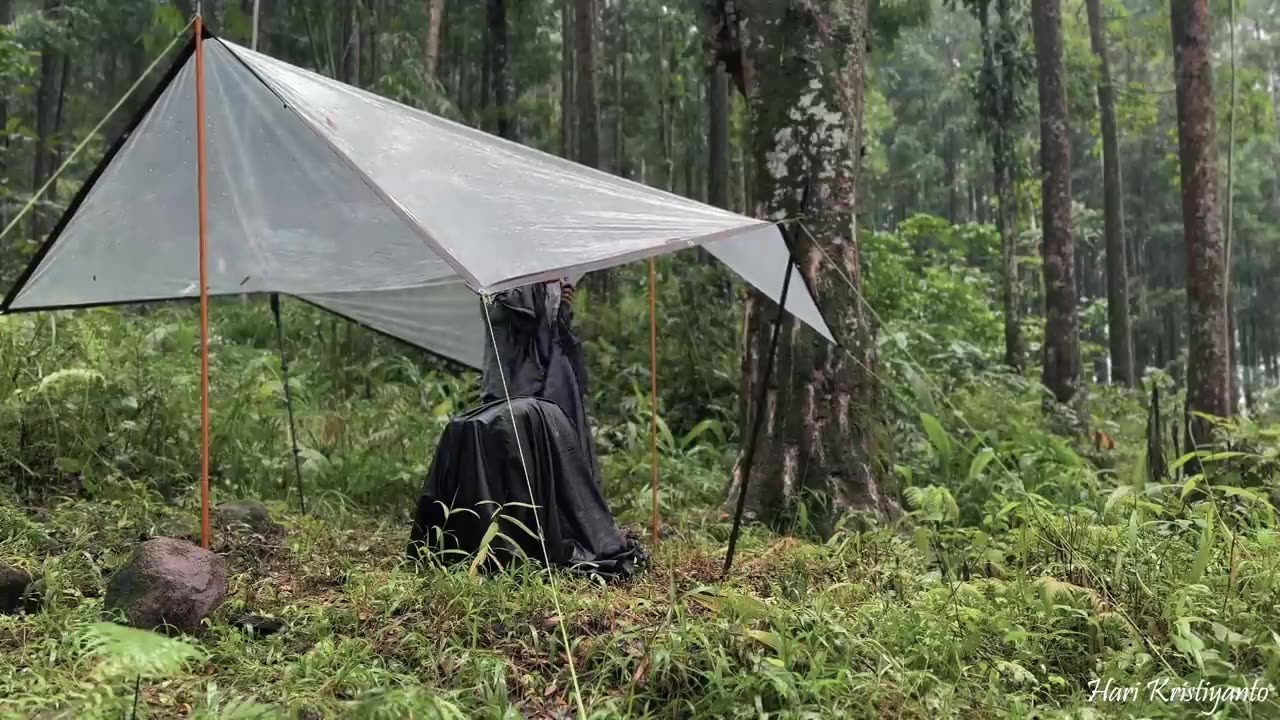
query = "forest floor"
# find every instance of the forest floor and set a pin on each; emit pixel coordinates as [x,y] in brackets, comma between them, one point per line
[857,626]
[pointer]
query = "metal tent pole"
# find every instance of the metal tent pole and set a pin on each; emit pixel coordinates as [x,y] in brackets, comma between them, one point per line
[761,398]
[288,401]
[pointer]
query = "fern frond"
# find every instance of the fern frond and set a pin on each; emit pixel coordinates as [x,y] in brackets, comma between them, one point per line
[126,652]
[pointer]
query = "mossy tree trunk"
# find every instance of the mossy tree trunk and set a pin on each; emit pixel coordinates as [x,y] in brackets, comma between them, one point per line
[802,65]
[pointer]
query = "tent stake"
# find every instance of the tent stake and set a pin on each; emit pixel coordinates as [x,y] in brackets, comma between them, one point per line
[204,290]
[653,393]
[288,400]
[748,457]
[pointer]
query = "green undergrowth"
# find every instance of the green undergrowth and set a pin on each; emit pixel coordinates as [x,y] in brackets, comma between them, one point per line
[863,624]
[1040,555]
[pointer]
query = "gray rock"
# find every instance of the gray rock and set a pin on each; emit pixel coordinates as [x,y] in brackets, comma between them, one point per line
[33,599]
[260,625]
[168,582]
[245,515]
[13,585]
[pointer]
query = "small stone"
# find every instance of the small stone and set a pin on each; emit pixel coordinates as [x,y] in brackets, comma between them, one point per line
[33,598]
[49,544]
[168,582]
[245,515]
[260,625]
[13,585]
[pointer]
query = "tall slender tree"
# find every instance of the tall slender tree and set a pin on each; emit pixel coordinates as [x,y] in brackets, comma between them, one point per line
[568,81]
[351,42]
[1119,333]
[951,140]
[585,23]
[1003,75]
[1208,359]
[46,107]
[502,80]
[803,67]
[377,16]
[431,43]
[664,105]
[621,50]
[6,17]
[1062,326]
[718,135]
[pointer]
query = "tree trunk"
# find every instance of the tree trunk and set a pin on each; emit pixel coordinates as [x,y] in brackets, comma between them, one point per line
[1249,331]
[568,105]
[662,92]
[1062,328]
[503,82]
[63,81]
[1097,269]
[588,109]
[718,137]
[1119,333]
[351,44]
[448,67]
[1248,320]
[376,17]
[620,82]
[950,163]
[1002,101]
[804,67]
[951,142]
[1208,363]
[1233,353]
[669,130]
[487,115]
[586,126]
[1267,345]
[6,17]
[46,107]
[431,44]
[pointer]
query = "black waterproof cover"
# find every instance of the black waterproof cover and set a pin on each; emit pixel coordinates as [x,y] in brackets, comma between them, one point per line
[540,355]
[478,467]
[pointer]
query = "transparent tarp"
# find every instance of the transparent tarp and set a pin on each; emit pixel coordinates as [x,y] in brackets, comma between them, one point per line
[285,213]
[445,318]
[374,210]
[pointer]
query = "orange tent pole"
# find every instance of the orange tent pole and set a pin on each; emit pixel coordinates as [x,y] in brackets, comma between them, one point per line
[204,291]
[653,393]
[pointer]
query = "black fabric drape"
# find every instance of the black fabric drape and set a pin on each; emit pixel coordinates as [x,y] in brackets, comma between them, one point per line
[478,469]
[540,356]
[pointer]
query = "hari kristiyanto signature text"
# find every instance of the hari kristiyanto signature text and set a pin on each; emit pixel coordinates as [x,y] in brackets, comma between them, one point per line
[1164,690]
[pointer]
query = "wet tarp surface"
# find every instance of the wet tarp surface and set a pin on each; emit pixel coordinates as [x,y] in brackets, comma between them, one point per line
[478,467]
[376,211]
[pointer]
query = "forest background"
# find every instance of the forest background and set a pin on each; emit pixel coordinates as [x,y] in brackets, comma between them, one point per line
[1065,250]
